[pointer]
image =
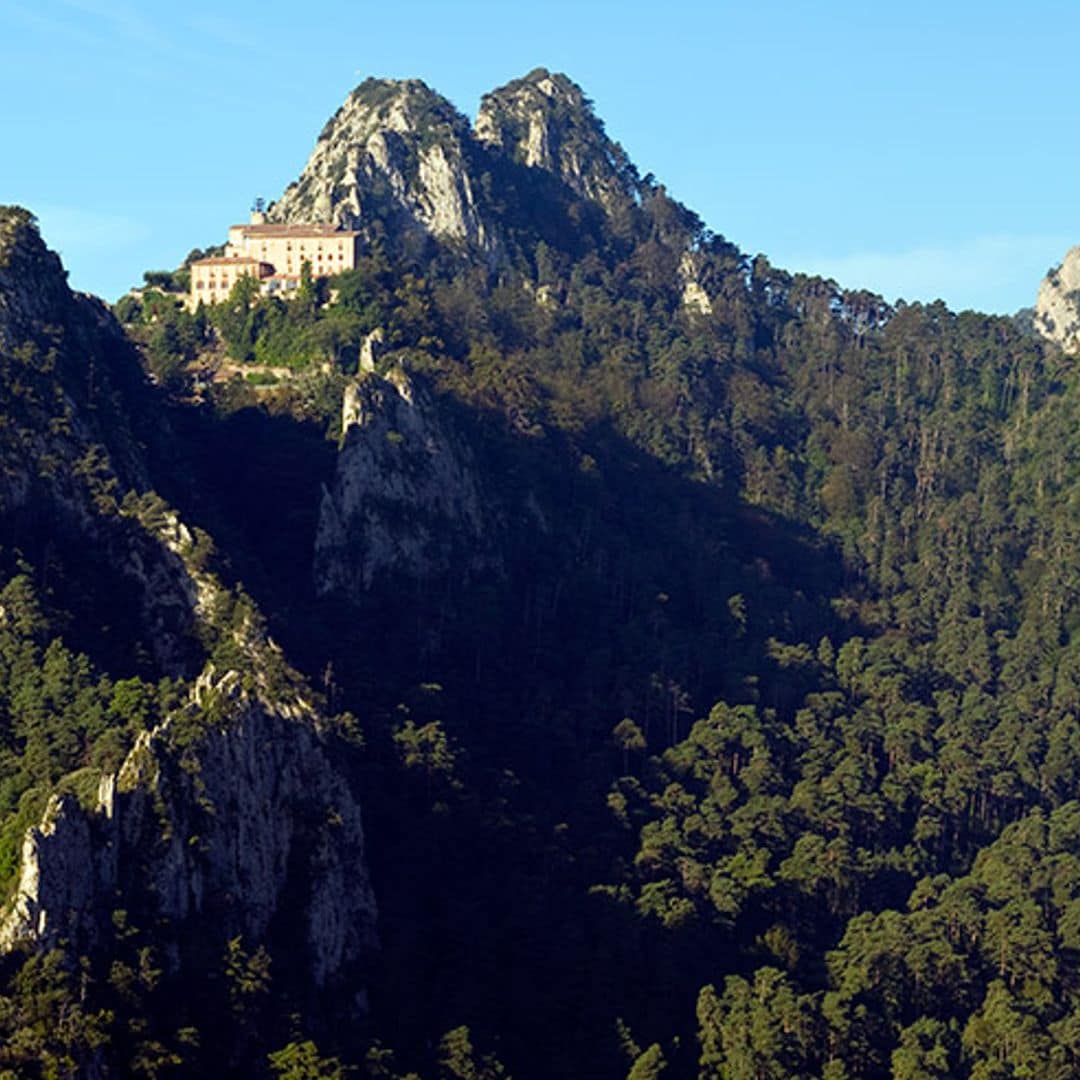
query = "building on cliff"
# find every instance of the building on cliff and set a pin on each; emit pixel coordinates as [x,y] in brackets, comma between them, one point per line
[275,255]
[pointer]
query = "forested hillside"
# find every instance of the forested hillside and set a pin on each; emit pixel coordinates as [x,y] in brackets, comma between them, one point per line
[697,638]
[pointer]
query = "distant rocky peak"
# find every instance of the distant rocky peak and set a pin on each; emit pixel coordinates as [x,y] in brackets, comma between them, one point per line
[407,106]
[33,283]
[1057,308]
[397,161]
[396,153]
[524,116]
[545,121]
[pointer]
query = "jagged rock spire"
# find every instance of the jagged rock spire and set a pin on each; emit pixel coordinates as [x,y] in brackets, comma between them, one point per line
[1057,309]
[400,161]
[545,121]
[395,152]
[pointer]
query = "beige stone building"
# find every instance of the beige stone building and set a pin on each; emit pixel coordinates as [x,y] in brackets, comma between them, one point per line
[211,279]
[275,254]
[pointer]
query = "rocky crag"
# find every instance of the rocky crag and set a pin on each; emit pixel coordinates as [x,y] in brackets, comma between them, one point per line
[544,121]
[229,816]
[1057,308]
[406,497]
[206,838]
[397,153]
[400,163]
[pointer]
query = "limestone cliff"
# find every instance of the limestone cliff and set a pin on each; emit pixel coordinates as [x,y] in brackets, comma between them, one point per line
[208,835]
[76,411]
[231,816]
[406,497]
[694,296]
[216,815]
[396,153]
[1057,308]
[544,121]
[399,163]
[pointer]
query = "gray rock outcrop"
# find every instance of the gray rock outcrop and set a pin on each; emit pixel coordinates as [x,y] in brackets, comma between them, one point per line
[399,162]
[406,497]
[371,348]
[212,833]
[694,296]
[395,152]
[1057,308]
[544,121]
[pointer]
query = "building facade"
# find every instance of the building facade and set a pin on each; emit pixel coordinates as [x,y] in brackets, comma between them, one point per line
[275,254]
[211,279]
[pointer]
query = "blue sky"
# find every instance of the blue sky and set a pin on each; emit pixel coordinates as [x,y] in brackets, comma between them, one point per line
[921,149]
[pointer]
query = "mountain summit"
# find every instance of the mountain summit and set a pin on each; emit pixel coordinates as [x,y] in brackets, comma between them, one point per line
[397,153]
[545,121]
[399,162]
[1057,308]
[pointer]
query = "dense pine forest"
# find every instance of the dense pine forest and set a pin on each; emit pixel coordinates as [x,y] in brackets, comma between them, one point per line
[732,731]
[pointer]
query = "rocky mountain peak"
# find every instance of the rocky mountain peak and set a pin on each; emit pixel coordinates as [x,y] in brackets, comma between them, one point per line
[399,162]
[396,153]
[1057,308]
[545,121]
[33,283]
[407,106]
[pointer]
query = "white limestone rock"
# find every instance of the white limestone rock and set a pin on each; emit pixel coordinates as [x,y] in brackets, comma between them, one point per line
[694,296]
[545,121]
[1057,308]
[371,348]
[406,498]
[212,836]
[399,153]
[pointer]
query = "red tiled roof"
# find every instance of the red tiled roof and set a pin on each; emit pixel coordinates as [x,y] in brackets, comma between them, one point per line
[222,260]
[317,231]
[315,273]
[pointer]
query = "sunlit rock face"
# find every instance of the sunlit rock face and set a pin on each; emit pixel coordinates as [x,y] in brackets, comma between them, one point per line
[216,837]
[1057,308]
[398,163]
[406,498]
[398,154]
[544,121]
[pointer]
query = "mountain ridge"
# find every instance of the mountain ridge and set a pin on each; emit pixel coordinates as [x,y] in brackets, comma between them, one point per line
[399,152]
[710,630]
